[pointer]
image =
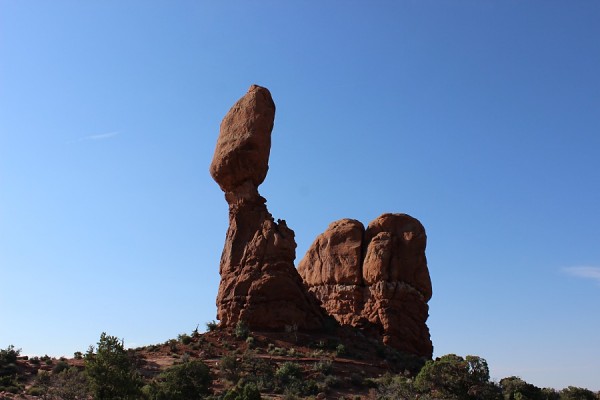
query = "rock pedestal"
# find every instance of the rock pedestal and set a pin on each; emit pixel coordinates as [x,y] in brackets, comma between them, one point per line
[259,283]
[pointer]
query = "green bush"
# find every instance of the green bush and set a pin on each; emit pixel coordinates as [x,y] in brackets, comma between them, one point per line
[452,376]
[241,330]
[211,326]
[36,391]
[258,370]
[576,393]
[248,391]
[276,351]
[184,338]
[395,387]
[230,367]
[288,373]
[69,384]
[111,372]
[59,367]
[8,361]
[190,380]
[324,366]
[9,355]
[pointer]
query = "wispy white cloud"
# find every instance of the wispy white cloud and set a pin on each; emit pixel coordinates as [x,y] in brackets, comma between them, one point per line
[100,136]
[585,272]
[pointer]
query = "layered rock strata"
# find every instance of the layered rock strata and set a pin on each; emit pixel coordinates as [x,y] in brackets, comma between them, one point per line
[376,279]
[259,283]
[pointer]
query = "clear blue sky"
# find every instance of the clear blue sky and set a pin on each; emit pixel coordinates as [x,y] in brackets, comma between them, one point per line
[480,118]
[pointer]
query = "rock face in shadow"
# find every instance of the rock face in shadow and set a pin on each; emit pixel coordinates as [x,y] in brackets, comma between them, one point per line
[259,283]
[376,279]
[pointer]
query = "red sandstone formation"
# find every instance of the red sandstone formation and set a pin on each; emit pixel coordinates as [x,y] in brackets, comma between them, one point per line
[376,279]
[259,284]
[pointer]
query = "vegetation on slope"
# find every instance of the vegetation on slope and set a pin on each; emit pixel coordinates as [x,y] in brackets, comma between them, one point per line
[241,365]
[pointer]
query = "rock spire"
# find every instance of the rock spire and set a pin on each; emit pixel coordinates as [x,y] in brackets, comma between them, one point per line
[259,283]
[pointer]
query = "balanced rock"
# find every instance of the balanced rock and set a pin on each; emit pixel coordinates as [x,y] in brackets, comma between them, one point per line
[376,279]
[259,283]
[244,144]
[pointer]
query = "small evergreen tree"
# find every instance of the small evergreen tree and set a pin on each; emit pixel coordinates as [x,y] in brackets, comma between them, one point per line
[111,372]
[8,360]
[515,388]
[453,377]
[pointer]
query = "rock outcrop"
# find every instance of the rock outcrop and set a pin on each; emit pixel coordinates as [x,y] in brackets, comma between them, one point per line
[259,283]
[376,279]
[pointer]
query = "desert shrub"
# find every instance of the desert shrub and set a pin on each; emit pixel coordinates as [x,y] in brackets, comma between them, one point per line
[211,326]
[69,384]
[551,394]
[247,391]
[9,355]
[36,391]
[190,380]
[288,371]
[289,377]
[8,370]
[34,360]
[332,381]
[324,366]
[340,349]
[258,371]
[8,360]
[317,353]
[515,388]
[576,393]
[250,341]
[110,370]
[78,355]
[59,367]
[276,351]
[241,330]
[230,367]
[41,384]
[452,376]
[13,387]
[395,387]
[172,343]
[184,338]
[9,383]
